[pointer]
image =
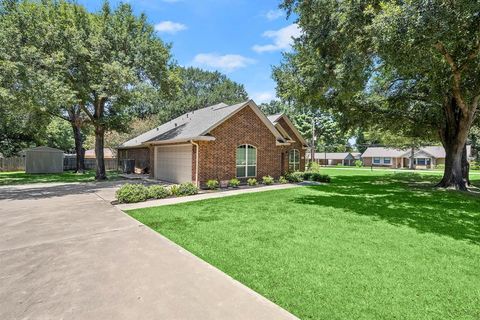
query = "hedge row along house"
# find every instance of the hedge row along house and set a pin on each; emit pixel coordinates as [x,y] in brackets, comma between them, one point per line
[218,142]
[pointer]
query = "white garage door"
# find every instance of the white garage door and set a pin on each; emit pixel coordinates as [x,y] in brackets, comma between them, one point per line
[173,163]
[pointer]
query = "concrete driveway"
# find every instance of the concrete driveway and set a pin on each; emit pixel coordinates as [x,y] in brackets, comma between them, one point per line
[66,253]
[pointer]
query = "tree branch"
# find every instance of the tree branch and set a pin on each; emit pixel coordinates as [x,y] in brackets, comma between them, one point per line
[87,112]
[457,77]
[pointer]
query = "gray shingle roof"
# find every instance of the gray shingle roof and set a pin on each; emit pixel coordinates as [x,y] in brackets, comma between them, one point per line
[274,117]
[188,126]
[383,152]
[330,155]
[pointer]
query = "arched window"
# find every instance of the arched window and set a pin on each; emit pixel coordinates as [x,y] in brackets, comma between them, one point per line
[293,160]
[246,161]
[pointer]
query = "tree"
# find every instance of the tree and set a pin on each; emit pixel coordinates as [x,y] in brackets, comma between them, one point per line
[200,88]
[421,58]
[58,135]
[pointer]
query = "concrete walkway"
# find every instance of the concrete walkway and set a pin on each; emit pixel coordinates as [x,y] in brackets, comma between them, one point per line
[66,253]
[203,196]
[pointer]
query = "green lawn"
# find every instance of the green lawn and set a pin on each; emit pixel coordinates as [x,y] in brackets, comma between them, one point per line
[370,245]
[20,177]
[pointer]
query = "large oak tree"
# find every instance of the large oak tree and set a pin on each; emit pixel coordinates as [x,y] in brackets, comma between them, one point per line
[415,61]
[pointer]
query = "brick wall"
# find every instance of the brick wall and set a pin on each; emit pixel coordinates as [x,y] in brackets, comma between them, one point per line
[296,145]
[217,159]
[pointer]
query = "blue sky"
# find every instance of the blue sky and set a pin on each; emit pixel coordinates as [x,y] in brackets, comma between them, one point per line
[241,38]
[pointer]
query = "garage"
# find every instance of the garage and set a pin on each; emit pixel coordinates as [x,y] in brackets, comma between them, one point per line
[173,163]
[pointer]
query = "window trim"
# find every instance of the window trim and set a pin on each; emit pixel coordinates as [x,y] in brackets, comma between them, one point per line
[375,160]
[246,145]
[389,160]
[294,163]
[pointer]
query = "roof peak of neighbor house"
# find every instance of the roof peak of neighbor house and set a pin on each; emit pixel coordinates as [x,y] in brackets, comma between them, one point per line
[195,125]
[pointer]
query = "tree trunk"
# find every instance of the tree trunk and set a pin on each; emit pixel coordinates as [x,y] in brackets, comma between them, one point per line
[79,150]
[465,166]
[454,137]
[412,158]
[100,173]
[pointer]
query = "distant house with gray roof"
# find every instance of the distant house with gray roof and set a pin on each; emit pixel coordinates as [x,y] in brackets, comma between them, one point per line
[424,158]
[334,158]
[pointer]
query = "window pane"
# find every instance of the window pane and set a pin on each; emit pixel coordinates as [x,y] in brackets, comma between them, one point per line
[252,155]
[251,171]
[241,171]
[296,156]
[241,155]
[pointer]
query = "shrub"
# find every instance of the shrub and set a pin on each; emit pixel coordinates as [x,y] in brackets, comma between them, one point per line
[158,192]
[234,183]
[282,180]
[129,193]
[318,177]
[175,190]
[187,189]
[212,184]
[296,176]
[339,164]
[307,175]
[252,182]
[474,165]
[358,163]
[313,167]
[440,166]
[267,180]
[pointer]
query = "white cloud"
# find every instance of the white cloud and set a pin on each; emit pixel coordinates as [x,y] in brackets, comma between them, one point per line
[265,96]
[274,14]
[226,63]
[282,39]
[170,27]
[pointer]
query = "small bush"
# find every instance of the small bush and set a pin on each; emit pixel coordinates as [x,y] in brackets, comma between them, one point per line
[282,180]
[307,175]
[339,164]
[175,190]
[212,184]
[296,176]
[187,189]
[318,177]
[313,167]
[158,192]
[474,165]
[252,182]
[234,183]
[130,193]
[267,180]
[358,163]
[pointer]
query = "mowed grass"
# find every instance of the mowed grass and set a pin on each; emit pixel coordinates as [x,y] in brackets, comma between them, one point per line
[20,177]
[370,245]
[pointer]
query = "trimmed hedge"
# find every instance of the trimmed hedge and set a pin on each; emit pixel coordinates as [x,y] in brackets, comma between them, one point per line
[158,192]
[130,193]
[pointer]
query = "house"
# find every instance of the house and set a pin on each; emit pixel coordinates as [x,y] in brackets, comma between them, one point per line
[333,158]
[424,158]
[107,154]
[218,142]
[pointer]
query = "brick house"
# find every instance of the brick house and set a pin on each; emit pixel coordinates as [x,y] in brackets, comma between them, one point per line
[424,157]
[218,142]
[334,158]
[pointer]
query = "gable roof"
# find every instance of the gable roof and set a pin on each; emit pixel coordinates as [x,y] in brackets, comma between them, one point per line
[331,155]
[44,149]
[383,152]
[196,125]
[276,118]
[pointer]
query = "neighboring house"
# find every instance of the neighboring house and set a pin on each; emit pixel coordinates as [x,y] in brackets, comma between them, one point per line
[333,158]
[218,142]
[424,157]
[107,154]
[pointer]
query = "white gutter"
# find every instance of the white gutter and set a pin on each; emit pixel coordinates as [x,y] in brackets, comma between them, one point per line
[196,161]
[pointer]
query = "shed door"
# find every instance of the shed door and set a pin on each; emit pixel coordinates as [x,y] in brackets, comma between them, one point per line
[173,163]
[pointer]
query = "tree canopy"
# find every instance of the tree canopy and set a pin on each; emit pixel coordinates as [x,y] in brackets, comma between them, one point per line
[411,64]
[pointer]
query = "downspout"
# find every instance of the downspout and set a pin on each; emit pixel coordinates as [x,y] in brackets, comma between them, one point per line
[196,161]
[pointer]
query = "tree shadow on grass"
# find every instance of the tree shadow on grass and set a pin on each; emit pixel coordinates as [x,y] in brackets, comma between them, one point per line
[403,200]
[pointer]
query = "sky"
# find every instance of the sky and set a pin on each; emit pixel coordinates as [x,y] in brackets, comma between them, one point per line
[240,38]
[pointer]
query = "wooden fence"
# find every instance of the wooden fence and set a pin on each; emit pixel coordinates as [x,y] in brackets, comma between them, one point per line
[12,164]
[69,163]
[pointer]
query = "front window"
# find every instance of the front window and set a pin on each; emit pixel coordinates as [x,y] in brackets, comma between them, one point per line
[422,161]
[293,160]
[376,160]
[387,160]
[246,161]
